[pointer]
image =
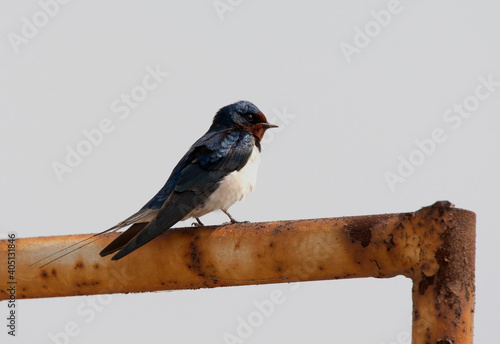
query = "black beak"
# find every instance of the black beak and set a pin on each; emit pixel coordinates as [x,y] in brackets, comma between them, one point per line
[269,125]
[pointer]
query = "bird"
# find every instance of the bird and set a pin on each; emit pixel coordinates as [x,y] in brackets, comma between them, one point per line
[218,170]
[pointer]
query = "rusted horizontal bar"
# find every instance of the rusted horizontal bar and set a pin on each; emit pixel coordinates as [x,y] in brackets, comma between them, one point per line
[434,246]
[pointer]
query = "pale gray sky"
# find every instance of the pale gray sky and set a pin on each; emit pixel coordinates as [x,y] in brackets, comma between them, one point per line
[352,85]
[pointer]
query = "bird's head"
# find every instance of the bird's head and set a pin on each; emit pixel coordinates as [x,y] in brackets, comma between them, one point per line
[244,115]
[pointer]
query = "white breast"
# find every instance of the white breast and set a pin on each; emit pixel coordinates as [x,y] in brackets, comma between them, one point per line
[234,187]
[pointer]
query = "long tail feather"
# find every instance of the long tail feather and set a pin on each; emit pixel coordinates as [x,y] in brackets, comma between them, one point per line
[123,239]
[114,228]
[143,215]
[176,207]
[75,249]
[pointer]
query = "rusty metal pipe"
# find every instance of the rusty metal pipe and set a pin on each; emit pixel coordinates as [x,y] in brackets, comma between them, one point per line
[434,246]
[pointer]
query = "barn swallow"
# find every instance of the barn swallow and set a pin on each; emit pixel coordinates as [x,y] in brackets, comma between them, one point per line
[218,170]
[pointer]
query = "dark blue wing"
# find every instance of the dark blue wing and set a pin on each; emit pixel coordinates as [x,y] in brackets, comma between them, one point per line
[193,180]
[216,158]
[210,153]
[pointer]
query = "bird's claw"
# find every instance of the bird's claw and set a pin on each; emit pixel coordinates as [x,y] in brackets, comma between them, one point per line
[232,220]
[198,223]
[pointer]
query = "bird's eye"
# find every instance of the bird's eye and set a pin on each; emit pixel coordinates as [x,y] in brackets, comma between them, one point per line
[249,117]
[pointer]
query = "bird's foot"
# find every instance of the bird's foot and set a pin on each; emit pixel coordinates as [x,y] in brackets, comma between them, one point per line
[198,223]
[230,217]
[232,220]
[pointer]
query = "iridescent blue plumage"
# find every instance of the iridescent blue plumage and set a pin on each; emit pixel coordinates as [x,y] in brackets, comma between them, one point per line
[225,149]
[218,170]
[222,151]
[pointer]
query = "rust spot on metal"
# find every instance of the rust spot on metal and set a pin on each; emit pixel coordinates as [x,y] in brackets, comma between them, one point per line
[360,229]
[434,246]
[453,266]
[425,283]
[390,244]
[195,257]
[444,341]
